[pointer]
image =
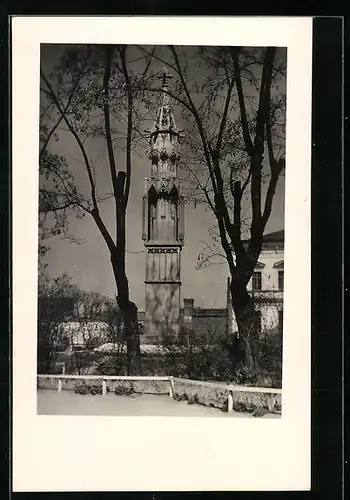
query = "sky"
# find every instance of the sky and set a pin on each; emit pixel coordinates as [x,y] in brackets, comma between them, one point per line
[88,262]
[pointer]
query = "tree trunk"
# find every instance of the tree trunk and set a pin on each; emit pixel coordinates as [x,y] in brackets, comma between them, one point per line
[128,310]
[132,339]
[244,310]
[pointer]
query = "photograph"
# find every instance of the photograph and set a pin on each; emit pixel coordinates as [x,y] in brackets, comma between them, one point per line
[161,230]
[161,197]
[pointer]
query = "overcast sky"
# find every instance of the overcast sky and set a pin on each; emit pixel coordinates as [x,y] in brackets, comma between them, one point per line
[89,264]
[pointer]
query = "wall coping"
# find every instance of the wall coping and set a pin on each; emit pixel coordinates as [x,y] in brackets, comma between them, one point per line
[214,385]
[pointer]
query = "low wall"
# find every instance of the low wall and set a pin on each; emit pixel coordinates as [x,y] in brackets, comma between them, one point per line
[207,396]
[243,399]
[221,396]
[142,385]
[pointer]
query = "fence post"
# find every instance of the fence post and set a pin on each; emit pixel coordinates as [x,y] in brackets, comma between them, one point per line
[59,387]
[104,388]
[270,403]
[230,401]
[171,388]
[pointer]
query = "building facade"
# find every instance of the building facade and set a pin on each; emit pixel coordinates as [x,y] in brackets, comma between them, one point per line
[163,225]
[266,286]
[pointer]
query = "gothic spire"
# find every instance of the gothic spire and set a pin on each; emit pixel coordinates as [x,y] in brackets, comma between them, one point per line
[164,141]
[165,121]
[164,77]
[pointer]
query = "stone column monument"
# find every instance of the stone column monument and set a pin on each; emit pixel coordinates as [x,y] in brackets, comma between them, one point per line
[163,225]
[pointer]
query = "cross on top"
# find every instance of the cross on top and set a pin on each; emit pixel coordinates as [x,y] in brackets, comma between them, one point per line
[164,76]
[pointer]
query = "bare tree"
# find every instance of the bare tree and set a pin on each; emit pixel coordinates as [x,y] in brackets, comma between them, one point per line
[57,300]
[93,94]
[233,99]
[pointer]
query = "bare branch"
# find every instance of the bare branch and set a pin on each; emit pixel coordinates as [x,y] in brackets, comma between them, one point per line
[277,169]
[272,160]
[211,253]
[224,114]
[129,127]
[203,188]
[149,62]
[206,145]
[160,59]
[227,248]
[106,112]
[50,208]
[246,182]
[245,126]
[95,211]
[256,163]
[44,146]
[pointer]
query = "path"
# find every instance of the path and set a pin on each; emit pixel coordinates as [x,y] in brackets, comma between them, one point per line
[68,403]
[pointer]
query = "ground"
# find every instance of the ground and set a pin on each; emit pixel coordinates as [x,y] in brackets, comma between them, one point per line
[51,402]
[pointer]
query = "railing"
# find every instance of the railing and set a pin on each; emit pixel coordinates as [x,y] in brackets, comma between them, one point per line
[103,379]
[231,389]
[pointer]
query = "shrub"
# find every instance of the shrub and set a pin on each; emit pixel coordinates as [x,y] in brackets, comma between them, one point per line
[95,389]
[242,375]
[192,399]
[267,360]
[82,389]
[201,360]
[88,389]
[181,397]
[242,408]
[259,412]
[278,408]
[123,390]
[112,364]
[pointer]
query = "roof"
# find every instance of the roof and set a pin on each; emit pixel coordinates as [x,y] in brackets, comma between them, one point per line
[276,236]
[269,238]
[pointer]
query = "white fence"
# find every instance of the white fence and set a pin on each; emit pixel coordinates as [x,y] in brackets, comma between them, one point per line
[231,389]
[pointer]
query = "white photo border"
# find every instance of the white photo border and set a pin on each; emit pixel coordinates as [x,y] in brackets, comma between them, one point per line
[71,453]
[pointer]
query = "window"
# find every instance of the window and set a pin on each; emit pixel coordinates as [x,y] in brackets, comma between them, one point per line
[152,221]
[280,321]
[256,281]
[280,280]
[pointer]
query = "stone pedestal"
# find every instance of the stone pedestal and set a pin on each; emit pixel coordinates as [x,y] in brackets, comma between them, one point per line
[162,288]
[162,311]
